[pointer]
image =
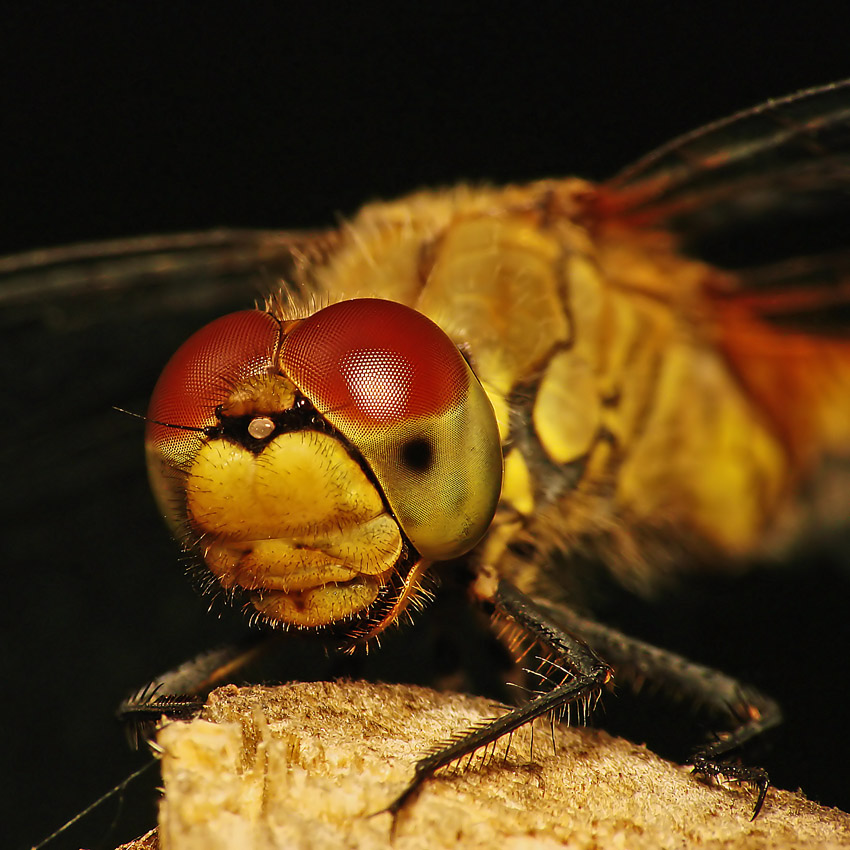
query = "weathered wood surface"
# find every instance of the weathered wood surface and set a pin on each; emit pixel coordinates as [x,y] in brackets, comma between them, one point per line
[310,765]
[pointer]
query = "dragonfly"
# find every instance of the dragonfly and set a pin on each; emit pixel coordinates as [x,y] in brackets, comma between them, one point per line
[646,377]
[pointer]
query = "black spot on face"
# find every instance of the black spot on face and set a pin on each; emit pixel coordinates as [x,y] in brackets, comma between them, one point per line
[417,454]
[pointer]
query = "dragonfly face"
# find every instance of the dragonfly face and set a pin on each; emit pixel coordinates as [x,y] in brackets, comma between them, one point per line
[313,461]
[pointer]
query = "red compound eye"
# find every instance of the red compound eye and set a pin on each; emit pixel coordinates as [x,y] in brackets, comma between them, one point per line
[399,390]
[374,363]
[202,374]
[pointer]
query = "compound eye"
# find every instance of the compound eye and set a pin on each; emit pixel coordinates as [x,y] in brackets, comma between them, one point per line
[398,389]
[200,377]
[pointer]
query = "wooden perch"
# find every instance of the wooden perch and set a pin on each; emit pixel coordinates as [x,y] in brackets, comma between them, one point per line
[310,765]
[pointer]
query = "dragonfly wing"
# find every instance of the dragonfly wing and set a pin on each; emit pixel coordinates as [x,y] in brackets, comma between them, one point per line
[787,161]
[93,283]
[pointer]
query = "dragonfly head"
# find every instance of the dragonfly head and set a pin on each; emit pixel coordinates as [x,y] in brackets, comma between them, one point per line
[309,461]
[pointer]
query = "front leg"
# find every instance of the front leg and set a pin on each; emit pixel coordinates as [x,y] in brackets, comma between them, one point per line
[182,692]
[555,630]
[584,675]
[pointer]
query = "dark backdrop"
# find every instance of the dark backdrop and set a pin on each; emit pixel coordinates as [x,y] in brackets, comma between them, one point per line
[273,115]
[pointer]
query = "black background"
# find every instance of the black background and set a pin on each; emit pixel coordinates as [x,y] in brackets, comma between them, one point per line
[117,122]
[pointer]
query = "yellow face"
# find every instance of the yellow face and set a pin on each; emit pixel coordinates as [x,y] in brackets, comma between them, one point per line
[316,463]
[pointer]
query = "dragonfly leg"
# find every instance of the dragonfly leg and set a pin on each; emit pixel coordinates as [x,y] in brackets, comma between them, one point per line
[182,692]
[585,675]
[745,711]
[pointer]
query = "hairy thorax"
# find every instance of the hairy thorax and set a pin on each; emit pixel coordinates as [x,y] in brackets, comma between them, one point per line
[620,417]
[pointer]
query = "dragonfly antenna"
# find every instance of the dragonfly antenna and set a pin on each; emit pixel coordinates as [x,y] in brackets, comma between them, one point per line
[157,422]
